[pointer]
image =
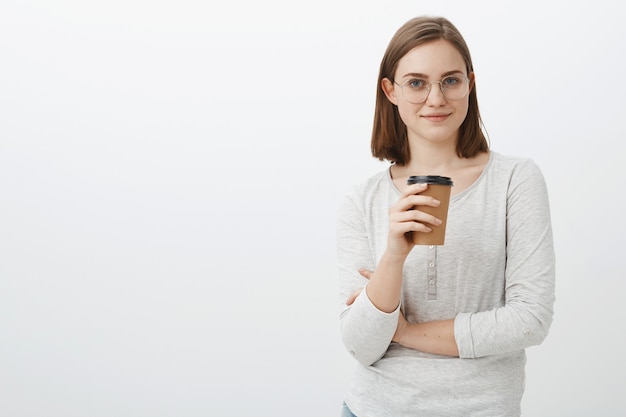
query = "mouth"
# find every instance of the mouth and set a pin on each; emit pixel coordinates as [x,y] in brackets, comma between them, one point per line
[436,117]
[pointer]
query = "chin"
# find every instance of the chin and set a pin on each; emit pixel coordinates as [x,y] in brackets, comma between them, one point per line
[438,135]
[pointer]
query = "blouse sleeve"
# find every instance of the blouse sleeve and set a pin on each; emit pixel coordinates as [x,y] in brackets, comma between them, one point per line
[526,316]
[365,330]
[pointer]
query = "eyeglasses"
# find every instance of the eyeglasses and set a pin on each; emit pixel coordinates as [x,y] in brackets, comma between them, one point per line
[453,87]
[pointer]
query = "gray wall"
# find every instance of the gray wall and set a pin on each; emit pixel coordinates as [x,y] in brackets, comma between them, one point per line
[169,179]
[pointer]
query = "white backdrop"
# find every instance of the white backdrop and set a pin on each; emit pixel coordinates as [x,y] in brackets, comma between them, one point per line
[170,174]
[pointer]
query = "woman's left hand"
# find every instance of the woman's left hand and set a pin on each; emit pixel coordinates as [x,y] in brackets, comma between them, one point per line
[403,324]
[365,273]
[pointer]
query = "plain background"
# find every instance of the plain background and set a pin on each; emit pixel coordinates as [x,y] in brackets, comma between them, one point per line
[170,174]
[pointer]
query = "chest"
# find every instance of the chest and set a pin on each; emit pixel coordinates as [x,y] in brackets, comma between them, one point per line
[467,273]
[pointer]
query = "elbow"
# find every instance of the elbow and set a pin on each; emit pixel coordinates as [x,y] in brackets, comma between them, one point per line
[540,332]
[365,357]
[536,328]
[367,332]
[366,344]
[357,345]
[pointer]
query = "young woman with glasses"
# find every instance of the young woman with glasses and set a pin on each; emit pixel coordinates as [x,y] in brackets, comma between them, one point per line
[441,330]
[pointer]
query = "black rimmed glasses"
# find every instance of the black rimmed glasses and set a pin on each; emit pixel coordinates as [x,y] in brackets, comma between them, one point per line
[453,87]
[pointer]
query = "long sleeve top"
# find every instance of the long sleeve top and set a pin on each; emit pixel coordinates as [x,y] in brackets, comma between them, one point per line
[494,276]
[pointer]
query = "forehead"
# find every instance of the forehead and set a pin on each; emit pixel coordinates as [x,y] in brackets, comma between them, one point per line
[433,59]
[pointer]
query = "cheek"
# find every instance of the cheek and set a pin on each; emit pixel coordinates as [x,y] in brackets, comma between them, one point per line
[408,112]
[462,111]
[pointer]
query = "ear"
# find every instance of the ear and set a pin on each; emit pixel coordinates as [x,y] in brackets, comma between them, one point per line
[472,78]
[389,89]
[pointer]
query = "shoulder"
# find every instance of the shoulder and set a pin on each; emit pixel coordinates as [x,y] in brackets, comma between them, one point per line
[521,177]
[511,167]
[371,185]
[369,192]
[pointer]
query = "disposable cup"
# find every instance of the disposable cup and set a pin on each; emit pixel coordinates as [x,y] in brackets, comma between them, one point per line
[439,188]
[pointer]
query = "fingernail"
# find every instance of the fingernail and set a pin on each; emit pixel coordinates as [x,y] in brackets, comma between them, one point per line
[436,202]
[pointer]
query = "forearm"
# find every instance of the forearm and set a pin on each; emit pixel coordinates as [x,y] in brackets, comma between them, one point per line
[435,337]
[385,284]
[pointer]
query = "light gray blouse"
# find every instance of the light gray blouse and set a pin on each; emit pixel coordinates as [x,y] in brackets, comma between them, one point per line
[494,276]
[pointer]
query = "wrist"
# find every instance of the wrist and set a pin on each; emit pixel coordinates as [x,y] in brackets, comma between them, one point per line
[392,258]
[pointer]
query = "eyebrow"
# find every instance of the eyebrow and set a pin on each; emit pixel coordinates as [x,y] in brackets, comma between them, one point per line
[420,75]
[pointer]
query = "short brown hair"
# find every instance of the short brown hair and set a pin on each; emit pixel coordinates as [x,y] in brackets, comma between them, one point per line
[389,134]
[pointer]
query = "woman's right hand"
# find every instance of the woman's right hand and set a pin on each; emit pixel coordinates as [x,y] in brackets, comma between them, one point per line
[404,219]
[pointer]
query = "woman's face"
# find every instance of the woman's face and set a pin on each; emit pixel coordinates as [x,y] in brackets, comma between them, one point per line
[438,118]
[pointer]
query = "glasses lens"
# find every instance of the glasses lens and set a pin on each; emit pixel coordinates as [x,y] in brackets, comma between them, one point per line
[415,91]
[455,87]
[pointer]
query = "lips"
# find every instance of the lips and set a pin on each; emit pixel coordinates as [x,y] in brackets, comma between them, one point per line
[436,117]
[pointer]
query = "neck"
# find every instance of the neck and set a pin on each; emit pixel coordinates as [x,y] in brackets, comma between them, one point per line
[432,158]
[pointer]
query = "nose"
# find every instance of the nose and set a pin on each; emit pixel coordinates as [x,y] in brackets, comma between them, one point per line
[435,95]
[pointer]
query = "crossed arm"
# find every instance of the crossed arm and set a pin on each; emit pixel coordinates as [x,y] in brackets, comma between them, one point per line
[385,283]
[371,319]
[435,337]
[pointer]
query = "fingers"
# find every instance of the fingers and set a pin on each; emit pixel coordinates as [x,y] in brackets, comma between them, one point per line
[353,296]
[366,273]
[405,215]
[411,221]
[414,189]
[411,198]
[414,216]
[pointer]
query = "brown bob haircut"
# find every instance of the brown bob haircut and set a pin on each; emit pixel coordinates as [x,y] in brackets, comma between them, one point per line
[389,134]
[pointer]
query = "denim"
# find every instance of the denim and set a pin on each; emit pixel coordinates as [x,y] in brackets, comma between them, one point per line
[345,411]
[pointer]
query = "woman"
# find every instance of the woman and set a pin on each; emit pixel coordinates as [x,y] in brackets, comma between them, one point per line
[441,330]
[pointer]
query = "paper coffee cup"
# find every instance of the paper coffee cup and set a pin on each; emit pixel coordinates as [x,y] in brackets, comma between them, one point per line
[439,188]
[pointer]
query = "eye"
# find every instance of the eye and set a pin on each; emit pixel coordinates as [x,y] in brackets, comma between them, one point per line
[416,84]
[452,81]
